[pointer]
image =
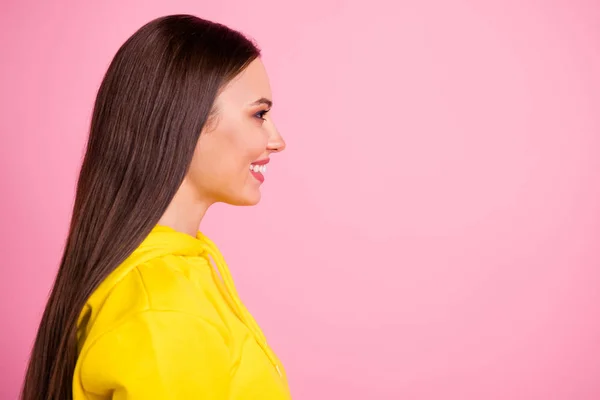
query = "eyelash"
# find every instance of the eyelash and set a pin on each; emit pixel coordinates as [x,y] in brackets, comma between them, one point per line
[261,114]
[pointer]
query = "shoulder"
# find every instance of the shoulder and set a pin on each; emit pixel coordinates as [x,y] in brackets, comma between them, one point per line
[153,313]
[160,284]
[136,287]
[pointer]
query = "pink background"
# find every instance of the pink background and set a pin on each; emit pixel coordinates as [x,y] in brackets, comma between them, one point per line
[432,230]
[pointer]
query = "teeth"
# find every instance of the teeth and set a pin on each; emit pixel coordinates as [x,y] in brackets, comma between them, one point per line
[258,168]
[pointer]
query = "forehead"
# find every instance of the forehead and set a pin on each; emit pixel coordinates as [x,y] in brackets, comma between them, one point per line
[248,86]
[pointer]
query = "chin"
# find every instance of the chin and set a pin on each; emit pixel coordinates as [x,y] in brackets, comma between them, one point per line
[249,199]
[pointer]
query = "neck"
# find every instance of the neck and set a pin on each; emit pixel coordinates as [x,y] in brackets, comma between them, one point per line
[185,212]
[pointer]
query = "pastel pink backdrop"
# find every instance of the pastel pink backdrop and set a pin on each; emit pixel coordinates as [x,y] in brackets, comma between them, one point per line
[432,231]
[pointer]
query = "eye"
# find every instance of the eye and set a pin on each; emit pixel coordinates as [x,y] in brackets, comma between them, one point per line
[261,114]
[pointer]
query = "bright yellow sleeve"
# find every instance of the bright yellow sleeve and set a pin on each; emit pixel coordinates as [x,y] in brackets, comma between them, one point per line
[158,355]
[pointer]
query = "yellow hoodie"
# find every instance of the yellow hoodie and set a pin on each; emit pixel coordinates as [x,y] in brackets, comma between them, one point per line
[166,325]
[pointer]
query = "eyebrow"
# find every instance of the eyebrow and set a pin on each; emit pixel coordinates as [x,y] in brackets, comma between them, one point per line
[263,100]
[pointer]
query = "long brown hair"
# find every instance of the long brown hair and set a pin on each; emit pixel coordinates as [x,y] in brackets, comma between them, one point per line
[154,101]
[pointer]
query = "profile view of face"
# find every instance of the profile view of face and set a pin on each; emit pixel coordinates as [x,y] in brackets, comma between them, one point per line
[230,159]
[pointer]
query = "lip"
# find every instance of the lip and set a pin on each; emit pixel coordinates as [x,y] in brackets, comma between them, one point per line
[259,177]
[262,162]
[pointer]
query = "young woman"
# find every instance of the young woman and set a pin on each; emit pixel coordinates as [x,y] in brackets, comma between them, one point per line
[143,306]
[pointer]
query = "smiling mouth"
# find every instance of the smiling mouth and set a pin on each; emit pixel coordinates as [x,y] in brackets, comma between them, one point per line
[258,168]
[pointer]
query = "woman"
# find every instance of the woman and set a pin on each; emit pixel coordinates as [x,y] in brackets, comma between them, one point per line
[137,310]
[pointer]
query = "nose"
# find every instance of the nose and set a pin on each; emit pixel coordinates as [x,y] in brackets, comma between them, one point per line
[276,143]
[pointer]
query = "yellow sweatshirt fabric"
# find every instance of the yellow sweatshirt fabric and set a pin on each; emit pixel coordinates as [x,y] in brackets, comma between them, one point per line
[167,325]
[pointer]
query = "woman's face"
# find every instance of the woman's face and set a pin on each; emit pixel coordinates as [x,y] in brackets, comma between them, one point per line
[232,152]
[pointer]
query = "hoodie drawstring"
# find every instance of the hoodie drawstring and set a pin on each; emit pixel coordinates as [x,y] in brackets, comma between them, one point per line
[241,310]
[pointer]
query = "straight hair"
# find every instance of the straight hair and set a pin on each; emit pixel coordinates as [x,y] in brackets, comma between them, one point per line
[155,99]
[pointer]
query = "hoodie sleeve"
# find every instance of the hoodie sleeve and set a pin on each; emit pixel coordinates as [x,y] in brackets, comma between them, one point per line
[158,355]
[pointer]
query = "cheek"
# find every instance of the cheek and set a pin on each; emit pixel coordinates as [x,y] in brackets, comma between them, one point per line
[256,144]
[230,150]
[208,161]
